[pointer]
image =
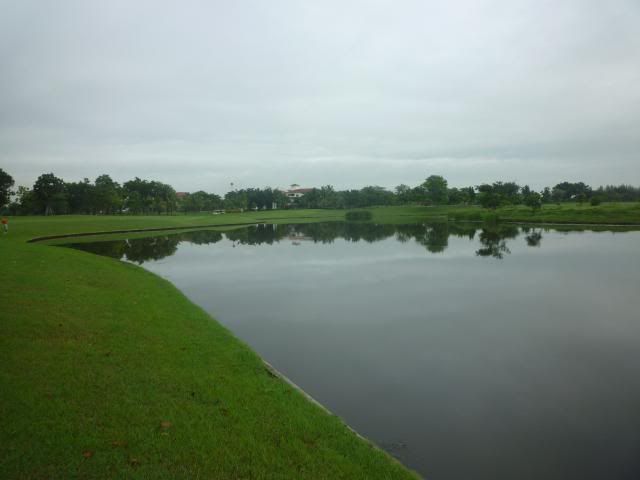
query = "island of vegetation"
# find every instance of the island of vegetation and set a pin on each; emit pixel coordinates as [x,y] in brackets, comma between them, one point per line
[108,371]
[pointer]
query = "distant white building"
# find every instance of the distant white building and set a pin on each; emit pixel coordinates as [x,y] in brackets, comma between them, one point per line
[297,193]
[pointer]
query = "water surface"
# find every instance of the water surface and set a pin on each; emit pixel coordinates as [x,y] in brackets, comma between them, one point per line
[469,353]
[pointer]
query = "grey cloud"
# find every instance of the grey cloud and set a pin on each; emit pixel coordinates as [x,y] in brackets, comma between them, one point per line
[200,94]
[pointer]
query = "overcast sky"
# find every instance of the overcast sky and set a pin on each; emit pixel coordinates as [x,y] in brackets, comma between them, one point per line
[348,93]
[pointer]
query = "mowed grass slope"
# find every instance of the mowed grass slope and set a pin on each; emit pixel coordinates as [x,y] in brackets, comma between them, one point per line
[109,371]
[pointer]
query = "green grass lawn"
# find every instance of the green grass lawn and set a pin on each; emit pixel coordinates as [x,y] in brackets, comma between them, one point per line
[108,371]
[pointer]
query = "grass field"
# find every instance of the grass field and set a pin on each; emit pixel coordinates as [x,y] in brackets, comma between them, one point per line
[109,371]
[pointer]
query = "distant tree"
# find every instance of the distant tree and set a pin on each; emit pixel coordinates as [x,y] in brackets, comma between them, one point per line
[572,190]
[50,194]
[498,194]
[6,182]
[508,191]
[201,201]
[558,195]
[468,195]
[236,199]
[595,201]
[142,196]
[327,197]
[107,195]
[435,187]
[137,196]
[24,203]
[533,200]
[618,193]
[457,196]
[375,195]
[351,199]
[80,196]
[454,196]
[279,198]
[490,200]
[546,195]
[164,198]
[488,197]
[403,193]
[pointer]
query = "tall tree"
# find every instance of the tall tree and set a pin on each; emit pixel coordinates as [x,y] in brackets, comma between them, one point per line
[107,195]
[6,182]
[533,200]
[403,193]
[488,196]
[81,196]
[571,190]
[50,194]
[201,201]
[436,190]
[25,203]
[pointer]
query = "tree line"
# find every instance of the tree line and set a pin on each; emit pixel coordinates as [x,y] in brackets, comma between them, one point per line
[52,195]
[436,191]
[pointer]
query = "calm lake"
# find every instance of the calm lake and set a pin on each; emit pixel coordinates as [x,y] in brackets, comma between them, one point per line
[467,352]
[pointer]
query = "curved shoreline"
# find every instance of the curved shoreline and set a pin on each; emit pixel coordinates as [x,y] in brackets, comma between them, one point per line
[160,229]
[264,220]
[112,352]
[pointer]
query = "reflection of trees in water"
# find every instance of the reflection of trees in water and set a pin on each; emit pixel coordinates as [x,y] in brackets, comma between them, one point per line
[138,250]
[113,249]
[433,236]
[493,240]
[257,234]
[141,250]
[202,237]
[533,239]
[533,236]
[369,232]
[325,232]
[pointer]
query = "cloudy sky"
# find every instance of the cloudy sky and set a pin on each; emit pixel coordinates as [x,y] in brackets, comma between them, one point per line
[200,94]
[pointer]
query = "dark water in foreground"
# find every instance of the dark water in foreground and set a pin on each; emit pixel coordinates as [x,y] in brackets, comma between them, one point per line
[468,353]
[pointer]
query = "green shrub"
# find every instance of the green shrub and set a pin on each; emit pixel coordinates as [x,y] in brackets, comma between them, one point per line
[358,216]
[491,218]
[470,216]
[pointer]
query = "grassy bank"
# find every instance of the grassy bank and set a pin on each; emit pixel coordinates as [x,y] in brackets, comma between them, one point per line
[608,213]
[25,228]
[109,371]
